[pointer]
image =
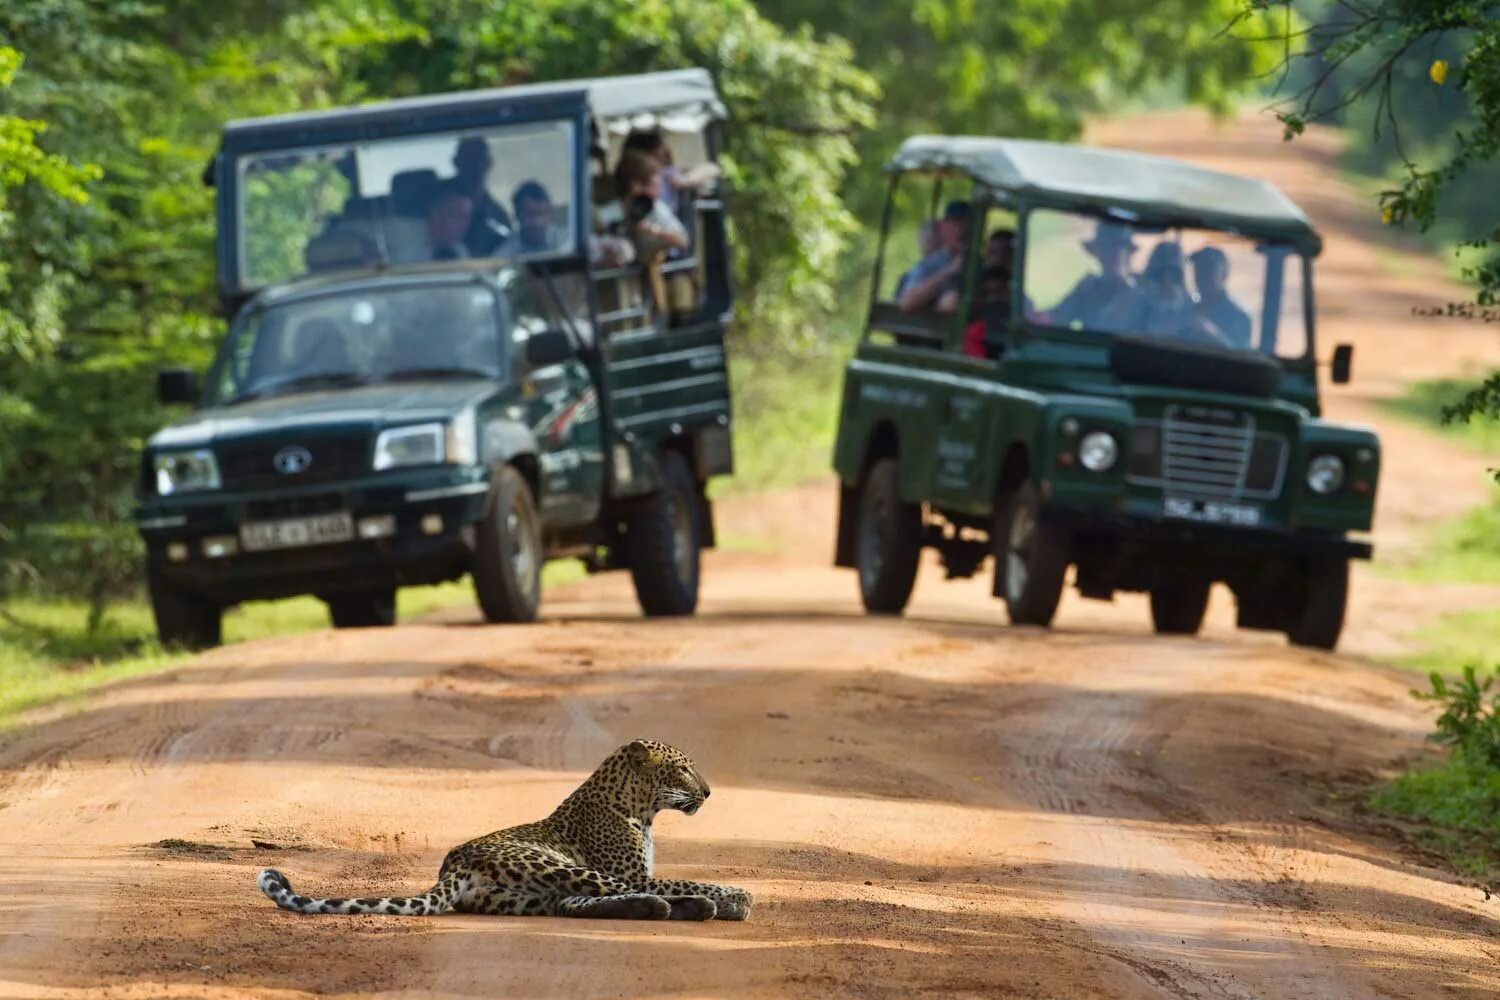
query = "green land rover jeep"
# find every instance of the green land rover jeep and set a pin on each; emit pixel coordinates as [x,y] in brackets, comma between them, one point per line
[1103,360]
[443,360]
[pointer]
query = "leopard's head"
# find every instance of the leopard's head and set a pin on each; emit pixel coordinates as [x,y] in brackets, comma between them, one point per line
[669,774]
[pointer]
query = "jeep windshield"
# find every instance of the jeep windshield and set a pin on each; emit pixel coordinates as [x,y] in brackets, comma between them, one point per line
[1172,283]
[485,193]
[354,338]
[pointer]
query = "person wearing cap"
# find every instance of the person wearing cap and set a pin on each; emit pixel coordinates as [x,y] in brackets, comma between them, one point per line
[1112,246]
[1159,304]
[1215,312]
[941,271]
[489,223]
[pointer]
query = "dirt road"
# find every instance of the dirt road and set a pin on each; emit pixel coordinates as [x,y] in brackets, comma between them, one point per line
[937,804]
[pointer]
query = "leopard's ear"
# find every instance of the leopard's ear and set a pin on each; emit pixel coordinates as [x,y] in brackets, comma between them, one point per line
[638,753]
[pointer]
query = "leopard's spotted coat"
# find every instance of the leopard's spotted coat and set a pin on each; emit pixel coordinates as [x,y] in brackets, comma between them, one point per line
[591,858]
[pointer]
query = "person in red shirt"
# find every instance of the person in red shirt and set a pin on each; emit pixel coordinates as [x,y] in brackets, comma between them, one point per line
[994,290]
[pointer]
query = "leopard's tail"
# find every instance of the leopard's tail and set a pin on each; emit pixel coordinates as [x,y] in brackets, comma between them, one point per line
[439,899]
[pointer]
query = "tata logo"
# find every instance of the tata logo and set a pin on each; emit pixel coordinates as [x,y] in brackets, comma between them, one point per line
[292,460]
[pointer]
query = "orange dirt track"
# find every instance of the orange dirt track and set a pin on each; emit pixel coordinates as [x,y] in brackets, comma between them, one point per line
[934,805]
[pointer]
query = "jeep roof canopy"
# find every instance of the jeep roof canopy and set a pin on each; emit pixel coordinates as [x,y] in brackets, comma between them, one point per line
[1153,187]
[679,100]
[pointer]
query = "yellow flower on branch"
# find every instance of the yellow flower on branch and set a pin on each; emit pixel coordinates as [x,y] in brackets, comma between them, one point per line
[1438,71]
[1387,214]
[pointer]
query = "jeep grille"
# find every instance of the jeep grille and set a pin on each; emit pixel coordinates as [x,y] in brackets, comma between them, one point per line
[250,465]
[1206,452]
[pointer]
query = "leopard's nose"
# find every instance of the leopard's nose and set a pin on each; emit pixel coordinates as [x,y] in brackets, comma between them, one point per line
[706,792]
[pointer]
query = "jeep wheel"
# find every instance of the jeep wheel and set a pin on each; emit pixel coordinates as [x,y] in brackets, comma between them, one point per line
[508,558]
[184,619]
[363,608]
[889,540]
[1320,619]
[1031,559]
[1178,604]
[663,542]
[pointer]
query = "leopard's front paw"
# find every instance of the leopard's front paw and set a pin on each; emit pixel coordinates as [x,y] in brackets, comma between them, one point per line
[694,908]
[734,904]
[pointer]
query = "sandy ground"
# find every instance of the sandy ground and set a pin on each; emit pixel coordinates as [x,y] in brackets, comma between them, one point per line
[933,805]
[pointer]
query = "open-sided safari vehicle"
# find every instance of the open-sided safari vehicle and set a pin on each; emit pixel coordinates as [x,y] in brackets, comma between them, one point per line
[1105,360]
[442,360]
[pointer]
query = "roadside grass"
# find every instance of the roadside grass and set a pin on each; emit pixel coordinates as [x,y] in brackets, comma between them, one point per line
[47,652]
[786,409]
[1453,808]
[1455,639]
[1466,550]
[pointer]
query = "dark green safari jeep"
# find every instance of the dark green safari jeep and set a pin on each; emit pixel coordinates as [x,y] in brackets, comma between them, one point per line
[1102,360]
[445,357]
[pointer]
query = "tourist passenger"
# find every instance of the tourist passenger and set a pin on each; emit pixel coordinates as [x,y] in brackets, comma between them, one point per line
[672,180]
[652,226]
[1159,304]
[1093,296]
[923,287]
[489,224]
[1216,313]
[535,231]
[449,213]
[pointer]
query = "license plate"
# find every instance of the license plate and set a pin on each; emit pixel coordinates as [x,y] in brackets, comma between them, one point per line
[297,532]
[1212,511]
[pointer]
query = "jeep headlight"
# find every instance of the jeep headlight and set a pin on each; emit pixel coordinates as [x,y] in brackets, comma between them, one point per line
[1325,474]
[186,472]
[426,444]
[1098,451]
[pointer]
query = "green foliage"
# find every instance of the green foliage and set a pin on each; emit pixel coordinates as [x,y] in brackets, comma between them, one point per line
[1463,794]
[1470,722]
[1421,84]
[1031,67]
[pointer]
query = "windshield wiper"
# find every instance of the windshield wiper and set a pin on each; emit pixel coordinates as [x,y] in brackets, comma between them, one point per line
[437,371]
[300,383]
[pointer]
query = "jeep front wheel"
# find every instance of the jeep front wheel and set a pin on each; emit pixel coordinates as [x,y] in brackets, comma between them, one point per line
[1325,594]
[663,543]
[508,558]
[184,619]
[889,540]
[363,608]
[1031,558]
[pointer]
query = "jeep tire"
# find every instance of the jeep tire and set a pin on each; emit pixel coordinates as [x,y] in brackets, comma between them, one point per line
[1325,593]
[1031,558]
[888,540]
[184,619]
[664,541]
[508,553]
[363,608]
[1178,603]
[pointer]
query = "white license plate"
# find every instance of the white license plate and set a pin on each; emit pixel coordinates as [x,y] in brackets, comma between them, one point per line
[1243,515]
[296,532]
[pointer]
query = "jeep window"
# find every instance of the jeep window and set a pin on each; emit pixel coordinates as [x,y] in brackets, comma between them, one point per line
[352,338]
[1180,284]
[498,192]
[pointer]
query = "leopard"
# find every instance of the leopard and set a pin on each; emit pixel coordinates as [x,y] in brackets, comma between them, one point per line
[593,857]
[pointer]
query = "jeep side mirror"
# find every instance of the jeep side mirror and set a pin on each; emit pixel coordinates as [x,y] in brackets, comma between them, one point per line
[550,347]
[1343,362]
[176,385]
